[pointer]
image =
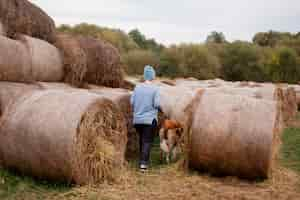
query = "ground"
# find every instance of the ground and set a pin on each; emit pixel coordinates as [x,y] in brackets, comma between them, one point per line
[166,182]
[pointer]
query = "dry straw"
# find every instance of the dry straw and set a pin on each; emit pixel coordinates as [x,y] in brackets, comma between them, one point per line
[2,30]
[64,136]
[29,59]
[235,135]
[21,16]
[89,60]
[121,97]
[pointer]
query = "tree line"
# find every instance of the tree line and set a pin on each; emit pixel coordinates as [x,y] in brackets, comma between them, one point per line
[271,56]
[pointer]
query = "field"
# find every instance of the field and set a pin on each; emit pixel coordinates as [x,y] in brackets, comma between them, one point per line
[166,182]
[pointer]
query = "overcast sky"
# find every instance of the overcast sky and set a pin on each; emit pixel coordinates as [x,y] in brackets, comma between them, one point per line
[176,21]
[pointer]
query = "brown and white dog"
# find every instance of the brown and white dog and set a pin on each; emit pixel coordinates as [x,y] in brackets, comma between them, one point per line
[170,135]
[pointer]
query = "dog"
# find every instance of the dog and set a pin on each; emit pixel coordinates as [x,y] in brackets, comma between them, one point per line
[170,136]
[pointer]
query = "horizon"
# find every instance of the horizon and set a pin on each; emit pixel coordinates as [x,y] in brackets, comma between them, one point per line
[238,20]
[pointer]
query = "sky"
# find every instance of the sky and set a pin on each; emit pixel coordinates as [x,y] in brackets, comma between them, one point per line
[174,21]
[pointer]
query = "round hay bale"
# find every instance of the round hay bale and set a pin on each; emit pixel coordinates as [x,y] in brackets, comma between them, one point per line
[55,86]
[64,136]
[2,30]
[103,63]
[74,59]
[46,61]
[29,60]
[11,92]
[89,60]
[290,106]
[21,16]
[297,90]
[121,97]
[15,62]
[235,135]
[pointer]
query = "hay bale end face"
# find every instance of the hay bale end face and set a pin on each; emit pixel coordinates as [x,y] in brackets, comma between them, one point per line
[235,135]
[22,16]
[121,97]
[89,60]
[72,136]
[74,59]
[103,61]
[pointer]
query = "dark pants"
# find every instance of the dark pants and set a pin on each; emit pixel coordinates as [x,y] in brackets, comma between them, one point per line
[147,134]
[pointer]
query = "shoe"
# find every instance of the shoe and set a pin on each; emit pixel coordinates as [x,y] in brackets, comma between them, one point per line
[143,168]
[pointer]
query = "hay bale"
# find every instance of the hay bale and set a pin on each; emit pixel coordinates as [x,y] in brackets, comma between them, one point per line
[72,136]
[297,90]
[46,61]
[289,104]
[103,63]
[29,59]
[2,30]
[10,92]
[74,59]
[12,67]
[121,97]
[235,135]
[90,60]
[55,86]
[21,16]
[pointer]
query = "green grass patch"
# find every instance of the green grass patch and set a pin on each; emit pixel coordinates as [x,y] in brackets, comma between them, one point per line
[290,150]
[14,186]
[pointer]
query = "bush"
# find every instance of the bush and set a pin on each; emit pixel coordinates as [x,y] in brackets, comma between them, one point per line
[241,61]
[285,66]
[189,60]
[135,61]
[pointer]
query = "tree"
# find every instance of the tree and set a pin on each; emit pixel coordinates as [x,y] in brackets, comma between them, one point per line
[271,38]
[216,37]
[139,38]
[241,61]
[135,61]
[170,63]
[144,43]
[285,66]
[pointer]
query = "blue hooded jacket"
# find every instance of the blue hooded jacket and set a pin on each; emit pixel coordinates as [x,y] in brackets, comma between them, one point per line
[145,100]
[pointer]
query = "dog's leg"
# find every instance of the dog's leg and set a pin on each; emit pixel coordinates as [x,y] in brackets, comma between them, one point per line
[174,153]
[168,158]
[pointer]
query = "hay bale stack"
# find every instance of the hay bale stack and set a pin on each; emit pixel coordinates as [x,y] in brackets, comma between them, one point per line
[234,135]
[29,59]
[121,97]
[72,136]
[90,60]
[21,16]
